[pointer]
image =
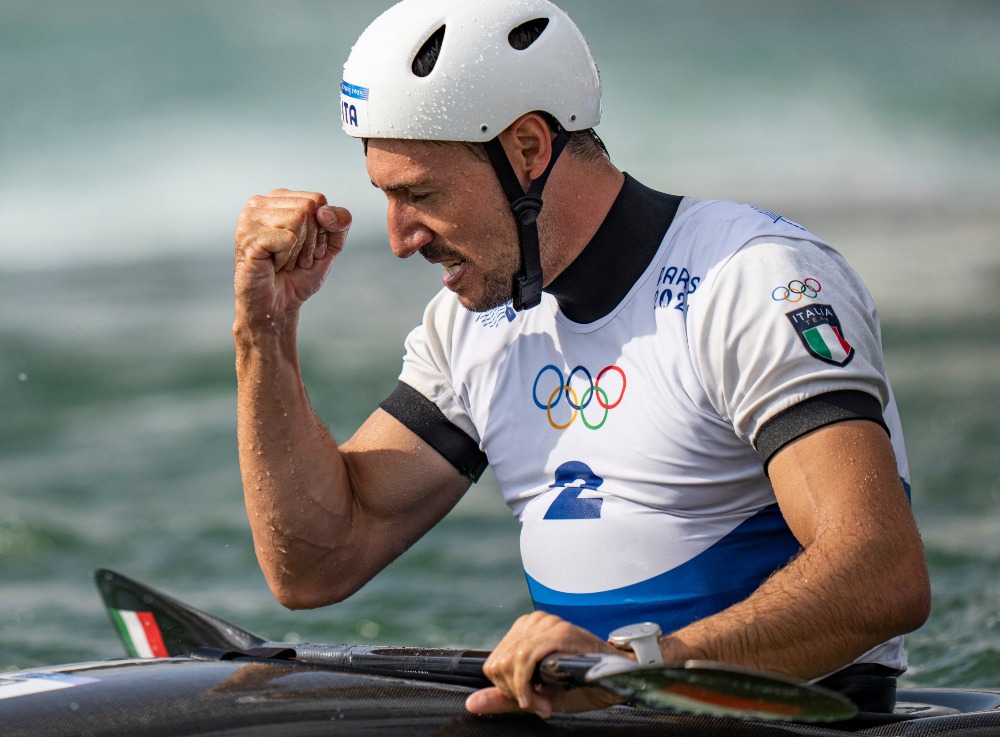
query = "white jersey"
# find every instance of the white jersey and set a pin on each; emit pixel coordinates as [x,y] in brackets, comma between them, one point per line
[625,446]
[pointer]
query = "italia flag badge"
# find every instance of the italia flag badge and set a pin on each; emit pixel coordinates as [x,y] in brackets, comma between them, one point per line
[819,329]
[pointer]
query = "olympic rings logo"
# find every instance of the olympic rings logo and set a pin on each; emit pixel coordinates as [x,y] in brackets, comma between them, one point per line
[796,290]
[578,403]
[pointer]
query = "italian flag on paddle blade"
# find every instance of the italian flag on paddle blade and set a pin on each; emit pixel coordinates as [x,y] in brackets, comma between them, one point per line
[140,633]
[819,329]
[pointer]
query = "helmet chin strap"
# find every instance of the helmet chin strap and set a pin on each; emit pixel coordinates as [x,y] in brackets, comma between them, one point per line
[526,206]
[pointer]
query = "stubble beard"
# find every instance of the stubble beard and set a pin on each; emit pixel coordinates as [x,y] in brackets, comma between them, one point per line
[497,285]
[496,278]
[497,281]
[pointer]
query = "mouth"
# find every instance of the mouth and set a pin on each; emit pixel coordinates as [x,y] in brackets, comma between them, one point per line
[451,261]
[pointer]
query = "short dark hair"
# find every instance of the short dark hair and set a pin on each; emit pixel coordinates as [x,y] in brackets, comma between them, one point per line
[585,145]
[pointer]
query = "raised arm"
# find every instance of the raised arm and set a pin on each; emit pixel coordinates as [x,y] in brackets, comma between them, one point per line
[325,518]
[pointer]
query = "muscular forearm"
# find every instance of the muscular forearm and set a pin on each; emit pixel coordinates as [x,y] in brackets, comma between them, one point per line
[812,617]
[860,580]
[295,482]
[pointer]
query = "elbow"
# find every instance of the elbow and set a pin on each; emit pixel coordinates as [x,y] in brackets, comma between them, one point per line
[910,600]
[301,593]
[915,605]
[308,582]
[296,598]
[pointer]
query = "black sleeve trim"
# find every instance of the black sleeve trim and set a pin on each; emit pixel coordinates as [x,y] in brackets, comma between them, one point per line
[813,413]
[428,422]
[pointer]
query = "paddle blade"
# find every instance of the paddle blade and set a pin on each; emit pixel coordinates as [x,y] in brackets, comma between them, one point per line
[713,689]
[154,625]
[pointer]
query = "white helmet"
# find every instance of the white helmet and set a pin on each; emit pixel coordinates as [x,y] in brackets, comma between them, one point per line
[480,83]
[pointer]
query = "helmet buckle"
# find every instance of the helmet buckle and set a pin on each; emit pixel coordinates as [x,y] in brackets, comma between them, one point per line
[527,290]
[526,209]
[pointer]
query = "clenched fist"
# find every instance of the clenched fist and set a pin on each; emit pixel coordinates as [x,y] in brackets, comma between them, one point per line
[286,242]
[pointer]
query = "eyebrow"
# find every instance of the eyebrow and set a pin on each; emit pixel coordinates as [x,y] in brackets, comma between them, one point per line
[397,187]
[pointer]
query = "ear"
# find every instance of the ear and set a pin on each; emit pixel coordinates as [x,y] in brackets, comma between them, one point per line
[528,143]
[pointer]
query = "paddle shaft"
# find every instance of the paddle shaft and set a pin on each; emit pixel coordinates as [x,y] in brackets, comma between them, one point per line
[460,667]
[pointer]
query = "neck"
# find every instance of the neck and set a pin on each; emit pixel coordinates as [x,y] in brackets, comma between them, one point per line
[578,197]
[603,274]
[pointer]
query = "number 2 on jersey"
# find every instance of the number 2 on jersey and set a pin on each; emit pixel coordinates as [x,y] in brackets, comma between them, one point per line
[575,477]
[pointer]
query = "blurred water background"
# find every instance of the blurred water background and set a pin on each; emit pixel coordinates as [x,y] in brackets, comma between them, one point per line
[131,133]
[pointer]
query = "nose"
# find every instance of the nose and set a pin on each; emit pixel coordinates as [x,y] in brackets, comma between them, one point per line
[407,234]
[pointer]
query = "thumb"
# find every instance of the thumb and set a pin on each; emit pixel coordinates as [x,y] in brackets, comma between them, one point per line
[333,219]
[493,701]
[490,701]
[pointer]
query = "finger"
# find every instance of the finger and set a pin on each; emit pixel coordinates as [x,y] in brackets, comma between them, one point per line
[258,224]
[510,668]
[336,221]
[495,701]
[304,257]
[301,255]
[263,203]
[542,705]
[320,253]
[318,199]
[262,235]
[307,255]
[523,671]
[490,701]
[494,669]
[533,638]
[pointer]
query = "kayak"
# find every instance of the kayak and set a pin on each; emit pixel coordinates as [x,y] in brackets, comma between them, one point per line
[191,673]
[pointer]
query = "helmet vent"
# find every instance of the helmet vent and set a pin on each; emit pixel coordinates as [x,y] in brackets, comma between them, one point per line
[527,33]
[426,59]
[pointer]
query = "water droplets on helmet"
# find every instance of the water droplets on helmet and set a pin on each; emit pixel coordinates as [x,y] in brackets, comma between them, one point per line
[487,61]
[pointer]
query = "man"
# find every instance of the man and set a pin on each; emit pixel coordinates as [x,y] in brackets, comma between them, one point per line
[692,422]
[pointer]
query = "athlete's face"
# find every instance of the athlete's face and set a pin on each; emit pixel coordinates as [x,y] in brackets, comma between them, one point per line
[448,205]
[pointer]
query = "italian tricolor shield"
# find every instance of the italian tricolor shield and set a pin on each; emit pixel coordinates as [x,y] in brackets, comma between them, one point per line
[140,633]
[819,329]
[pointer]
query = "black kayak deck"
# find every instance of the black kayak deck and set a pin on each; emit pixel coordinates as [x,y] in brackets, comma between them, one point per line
[187,696]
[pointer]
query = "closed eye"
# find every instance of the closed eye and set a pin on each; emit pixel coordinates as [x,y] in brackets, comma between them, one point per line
[405,191]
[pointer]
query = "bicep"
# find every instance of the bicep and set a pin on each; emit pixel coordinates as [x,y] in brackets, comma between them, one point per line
[840,492]
[400,483]
[841,477]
